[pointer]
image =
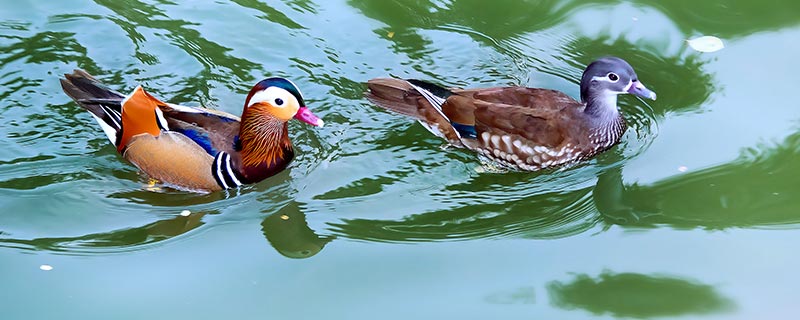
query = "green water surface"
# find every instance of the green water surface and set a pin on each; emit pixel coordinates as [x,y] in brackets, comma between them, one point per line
[694,215]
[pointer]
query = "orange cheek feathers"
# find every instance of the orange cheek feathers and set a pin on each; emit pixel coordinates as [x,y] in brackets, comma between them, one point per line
[286,113]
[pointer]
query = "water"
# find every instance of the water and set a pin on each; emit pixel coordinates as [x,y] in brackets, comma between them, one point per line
[694,215]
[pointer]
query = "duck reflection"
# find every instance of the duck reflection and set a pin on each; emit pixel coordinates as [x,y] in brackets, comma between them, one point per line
[163,196]
[117,240]
[755,190]
[540,216]
[287,231]
[637,295]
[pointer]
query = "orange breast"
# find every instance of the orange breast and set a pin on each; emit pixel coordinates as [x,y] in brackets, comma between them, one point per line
[174,159]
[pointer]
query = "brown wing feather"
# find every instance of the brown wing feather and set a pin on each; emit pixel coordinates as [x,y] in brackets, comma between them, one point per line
[394,95]
[460,109]
[533,98]
[528,128]
[399,96]
[535,114]
[537,127]
[530,113]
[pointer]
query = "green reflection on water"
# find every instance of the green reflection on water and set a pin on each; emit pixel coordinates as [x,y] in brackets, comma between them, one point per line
[113,241]
[756,190]
[725,18]
[711,198]
[637,295]
[288,232]
[507,18]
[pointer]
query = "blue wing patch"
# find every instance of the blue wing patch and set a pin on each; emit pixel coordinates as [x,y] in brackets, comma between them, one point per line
[224,119]
[237,144]
[201,138]
[465,131]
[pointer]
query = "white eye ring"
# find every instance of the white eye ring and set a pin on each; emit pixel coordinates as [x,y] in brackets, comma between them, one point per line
[613,77]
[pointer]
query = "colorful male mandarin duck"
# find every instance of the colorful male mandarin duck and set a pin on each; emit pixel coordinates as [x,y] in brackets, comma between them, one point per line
[197,149]
[520,128]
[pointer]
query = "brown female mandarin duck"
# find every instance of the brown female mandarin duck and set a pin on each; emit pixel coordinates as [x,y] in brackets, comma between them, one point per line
[521,128]
[197,149]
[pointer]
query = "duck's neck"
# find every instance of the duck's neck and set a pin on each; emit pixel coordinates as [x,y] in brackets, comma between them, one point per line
[601,105]
[607,123]
[265,145]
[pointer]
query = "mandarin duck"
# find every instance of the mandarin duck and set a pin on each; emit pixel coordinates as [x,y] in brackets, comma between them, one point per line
[191,148]
[520,128]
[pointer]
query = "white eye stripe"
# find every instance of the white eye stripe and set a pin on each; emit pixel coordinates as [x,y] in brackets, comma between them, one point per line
[630,84]
[275,96]
[603,79]
[606,79]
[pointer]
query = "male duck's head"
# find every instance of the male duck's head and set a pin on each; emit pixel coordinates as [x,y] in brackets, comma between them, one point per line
[282,100]
[607,77]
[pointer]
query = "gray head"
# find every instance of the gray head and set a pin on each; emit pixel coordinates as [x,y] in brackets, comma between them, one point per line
[607,77]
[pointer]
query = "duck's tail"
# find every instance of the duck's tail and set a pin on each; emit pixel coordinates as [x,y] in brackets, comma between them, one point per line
[104,104]
[406,96]
[418,99]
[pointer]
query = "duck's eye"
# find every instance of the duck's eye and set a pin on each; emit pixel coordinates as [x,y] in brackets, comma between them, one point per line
[613,77]
[278,102]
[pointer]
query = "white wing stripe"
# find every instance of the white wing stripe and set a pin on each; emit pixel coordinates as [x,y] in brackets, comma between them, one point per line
[112,114]
[161,120]
[110,132]
[437,103]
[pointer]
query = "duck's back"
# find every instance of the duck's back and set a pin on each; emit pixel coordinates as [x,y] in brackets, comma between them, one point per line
[213,130]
